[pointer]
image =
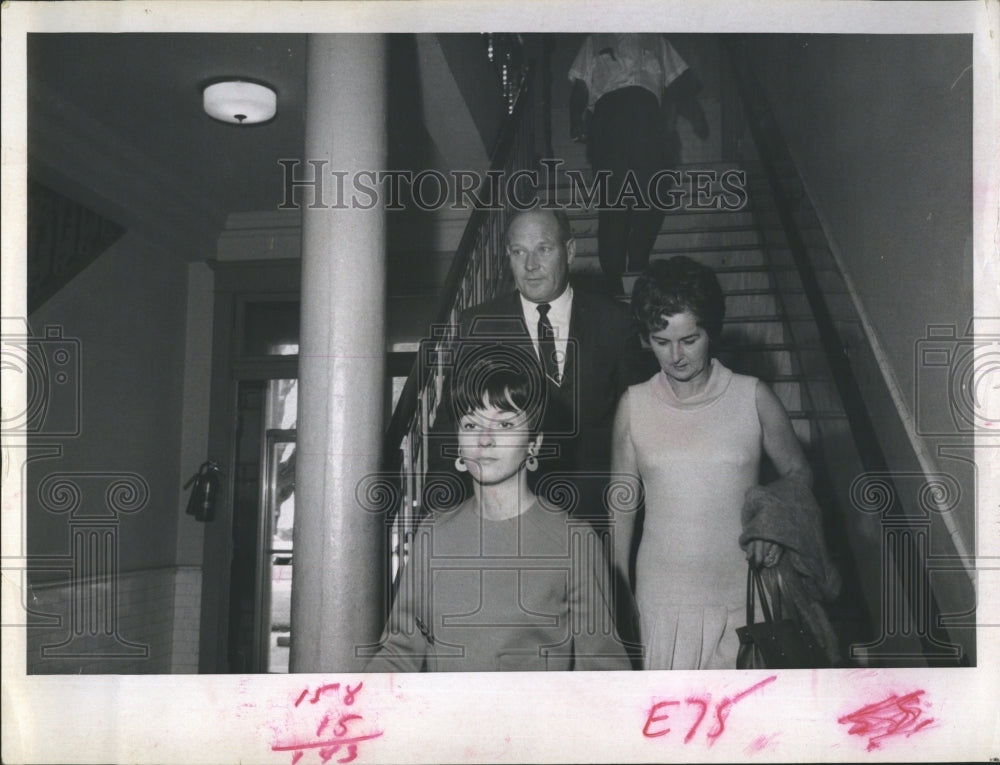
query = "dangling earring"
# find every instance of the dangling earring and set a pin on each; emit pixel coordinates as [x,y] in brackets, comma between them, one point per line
[460,465]
[532,461]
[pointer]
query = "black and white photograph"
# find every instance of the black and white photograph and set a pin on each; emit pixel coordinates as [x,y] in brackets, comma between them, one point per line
[381,387]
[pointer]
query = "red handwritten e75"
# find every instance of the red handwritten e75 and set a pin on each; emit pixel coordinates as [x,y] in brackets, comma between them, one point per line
[660,713]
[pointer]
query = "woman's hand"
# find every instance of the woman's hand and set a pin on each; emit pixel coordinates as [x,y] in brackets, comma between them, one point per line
[760,552]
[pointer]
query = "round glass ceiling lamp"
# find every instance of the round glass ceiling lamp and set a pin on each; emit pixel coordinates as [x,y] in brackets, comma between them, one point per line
[240,102]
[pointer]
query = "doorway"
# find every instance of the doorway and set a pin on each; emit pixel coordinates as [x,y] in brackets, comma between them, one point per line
[248,556]
[260,581]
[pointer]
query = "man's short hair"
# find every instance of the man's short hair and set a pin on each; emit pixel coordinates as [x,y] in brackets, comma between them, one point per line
[562,219]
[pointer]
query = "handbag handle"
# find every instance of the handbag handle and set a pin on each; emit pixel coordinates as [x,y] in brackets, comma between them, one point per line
[754,582]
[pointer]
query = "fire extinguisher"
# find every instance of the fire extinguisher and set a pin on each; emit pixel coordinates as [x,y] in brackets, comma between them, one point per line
[201,503]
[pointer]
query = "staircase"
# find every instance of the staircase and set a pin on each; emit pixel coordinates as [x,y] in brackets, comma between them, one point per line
[766,332]
[791,322]
[755,338]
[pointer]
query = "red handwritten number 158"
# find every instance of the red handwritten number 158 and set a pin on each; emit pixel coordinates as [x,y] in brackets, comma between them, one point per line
[656,714]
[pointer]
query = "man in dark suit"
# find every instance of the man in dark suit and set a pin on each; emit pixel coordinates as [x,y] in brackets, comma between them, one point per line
[588,348]
[587,345]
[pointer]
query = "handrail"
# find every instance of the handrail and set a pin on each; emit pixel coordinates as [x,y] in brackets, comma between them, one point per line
[772,148]
[477,273]
[408,400]
[769,142]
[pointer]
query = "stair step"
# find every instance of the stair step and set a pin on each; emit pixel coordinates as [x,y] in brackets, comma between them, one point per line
[824,396]
[680,241]
[756,304]
[674,199]
[819,257]
[749,332]
[789,393]
[788,282]
[715,257]
[681,220]
[719,165]
[731,278]
[765,361]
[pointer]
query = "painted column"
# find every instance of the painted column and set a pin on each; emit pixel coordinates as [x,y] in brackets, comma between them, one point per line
[338,585]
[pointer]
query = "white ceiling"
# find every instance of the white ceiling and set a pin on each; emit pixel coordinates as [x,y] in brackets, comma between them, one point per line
[144,91]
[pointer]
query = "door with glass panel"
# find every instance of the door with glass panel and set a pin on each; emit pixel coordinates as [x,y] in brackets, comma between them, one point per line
[247,551]
[273,615]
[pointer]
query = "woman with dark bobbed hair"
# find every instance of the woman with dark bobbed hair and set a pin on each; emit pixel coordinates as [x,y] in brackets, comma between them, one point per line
[501,582]
[693,435]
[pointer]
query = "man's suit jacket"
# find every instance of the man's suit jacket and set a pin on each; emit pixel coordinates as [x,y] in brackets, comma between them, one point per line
[603,359]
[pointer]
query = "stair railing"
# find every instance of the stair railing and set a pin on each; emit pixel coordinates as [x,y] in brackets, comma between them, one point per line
[770,146]
[479,272]
[773,154]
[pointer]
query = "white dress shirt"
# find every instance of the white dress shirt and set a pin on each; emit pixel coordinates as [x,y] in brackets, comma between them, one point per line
[611,61]
[559,315]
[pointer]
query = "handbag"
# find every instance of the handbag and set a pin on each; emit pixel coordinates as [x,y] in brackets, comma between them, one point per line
[774,643]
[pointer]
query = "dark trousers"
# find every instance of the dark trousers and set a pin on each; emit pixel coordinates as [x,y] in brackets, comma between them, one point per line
[628,134]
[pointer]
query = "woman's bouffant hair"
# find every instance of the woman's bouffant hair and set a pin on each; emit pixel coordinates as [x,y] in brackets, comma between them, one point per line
[679,284]
[508,378]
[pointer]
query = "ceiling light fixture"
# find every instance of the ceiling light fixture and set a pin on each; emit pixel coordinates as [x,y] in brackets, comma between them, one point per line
[240,102]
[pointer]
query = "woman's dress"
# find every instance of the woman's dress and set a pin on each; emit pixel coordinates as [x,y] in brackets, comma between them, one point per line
[530,592]
[697,457]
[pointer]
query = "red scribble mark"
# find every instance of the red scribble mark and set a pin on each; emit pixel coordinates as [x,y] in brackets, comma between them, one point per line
[895,716]
[722,710]
[296,757]
[726,705]
[759,744]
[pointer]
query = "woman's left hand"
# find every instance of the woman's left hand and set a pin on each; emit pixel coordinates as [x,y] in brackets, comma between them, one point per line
[760,552]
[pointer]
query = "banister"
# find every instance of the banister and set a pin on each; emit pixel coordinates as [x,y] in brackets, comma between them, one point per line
[406,407]
[477,273]
[772,149]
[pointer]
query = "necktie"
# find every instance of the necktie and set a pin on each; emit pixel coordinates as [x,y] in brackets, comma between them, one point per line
[547,344]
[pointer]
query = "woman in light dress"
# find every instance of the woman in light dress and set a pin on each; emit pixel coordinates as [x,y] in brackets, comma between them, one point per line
[693,435]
